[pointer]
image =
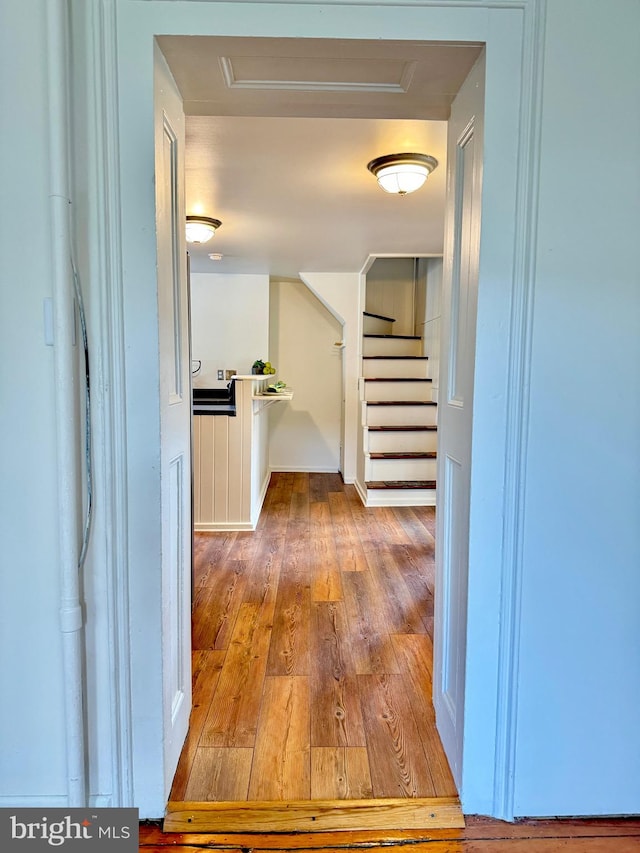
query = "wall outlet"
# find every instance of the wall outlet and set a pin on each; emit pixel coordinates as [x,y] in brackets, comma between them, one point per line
[221,374]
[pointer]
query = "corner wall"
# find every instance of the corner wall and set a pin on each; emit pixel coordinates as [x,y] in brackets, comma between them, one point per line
[578,750]
[32,761]
[304,434]
[343,295]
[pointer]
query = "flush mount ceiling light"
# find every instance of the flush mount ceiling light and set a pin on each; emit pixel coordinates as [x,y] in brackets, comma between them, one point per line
[402,173]
[201,228]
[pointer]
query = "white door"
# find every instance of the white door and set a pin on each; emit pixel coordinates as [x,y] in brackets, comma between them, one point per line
[457,359]
[175,415]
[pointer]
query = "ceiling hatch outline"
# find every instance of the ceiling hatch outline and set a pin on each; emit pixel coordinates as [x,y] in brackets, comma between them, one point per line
[265,72]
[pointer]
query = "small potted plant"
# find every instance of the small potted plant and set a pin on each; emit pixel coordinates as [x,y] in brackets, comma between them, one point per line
[262,367]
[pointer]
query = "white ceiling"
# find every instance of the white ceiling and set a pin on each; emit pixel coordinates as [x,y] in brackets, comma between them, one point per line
[279,133]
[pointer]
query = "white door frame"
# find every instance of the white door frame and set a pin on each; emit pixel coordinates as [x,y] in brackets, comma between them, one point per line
[122,282]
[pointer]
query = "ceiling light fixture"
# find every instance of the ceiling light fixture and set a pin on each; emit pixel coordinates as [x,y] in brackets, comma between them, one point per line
[216,256]
[201,228]
[402,173]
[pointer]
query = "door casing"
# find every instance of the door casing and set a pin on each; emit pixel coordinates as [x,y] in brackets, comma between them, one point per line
[123,280]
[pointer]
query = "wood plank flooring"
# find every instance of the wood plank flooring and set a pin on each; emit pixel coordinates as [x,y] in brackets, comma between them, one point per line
[480,835]
[312,649]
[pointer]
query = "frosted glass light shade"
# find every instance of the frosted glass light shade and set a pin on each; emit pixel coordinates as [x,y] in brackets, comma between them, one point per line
[199,229]
[402,173]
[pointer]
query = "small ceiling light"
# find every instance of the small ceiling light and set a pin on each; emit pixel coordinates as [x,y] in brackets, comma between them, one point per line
[402,173]
[216,256]
[201,228]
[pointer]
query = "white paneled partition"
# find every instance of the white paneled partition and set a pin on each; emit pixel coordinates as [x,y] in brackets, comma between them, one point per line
[230,463]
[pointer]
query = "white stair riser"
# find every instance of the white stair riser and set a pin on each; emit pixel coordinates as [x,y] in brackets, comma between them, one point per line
[391,346]
[401,497]
[396,368]
[397,390]
[401,441]
[400,469]
[376,326]
[400,415]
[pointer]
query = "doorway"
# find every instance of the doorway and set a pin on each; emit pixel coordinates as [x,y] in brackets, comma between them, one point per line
[511,97]
[405,305]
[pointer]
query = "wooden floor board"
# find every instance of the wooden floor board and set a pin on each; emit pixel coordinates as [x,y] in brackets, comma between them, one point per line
[370,632]
[340,773]
[336,715]
[326,579]
[281,762]
[220,774]
[314,815]
[263,585]
[351,556]
[414,653]
[398,764]
[587,835]
[404,611]
[245,545]
[289,647]
[206,669]
[416,564]
[217,603]
[210,549]
[233,714]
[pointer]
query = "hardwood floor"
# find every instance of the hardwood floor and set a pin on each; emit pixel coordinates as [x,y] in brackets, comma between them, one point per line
[311,670]
[312,649]
[480,835]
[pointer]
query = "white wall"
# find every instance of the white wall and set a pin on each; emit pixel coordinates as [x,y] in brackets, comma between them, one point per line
[391,292]
[343,296]
[430,269]
[567,742]
[578,749]
[32,751]
[229,324]
[305,433]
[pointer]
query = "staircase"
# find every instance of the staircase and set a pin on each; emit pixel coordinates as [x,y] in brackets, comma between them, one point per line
[399,418]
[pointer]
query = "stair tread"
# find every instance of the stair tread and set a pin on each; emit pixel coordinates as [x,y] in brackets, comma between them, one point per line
[395,379]
[399,357]
[404,454]
[401,403]
[403,428]
[398,337]
[378,316]
[401,484]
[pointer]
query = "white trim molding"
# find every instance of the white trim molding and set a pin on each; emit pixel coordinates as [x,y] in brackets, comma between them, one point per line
[109,357]
[518,407]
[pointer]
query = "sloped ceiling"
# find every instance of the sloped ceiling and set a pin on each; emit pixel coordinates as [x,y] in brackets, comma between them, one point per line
[279,133]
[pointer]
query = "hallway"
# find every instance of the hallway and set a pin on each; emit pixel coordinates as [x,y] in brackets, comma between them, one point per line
[312,649]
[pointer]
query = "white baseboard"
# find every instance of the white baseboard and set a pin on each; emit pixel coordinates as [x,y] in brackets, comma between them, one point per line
[401,497]
[212,526]
[304,469]
[361,490]
[395,497]
[52,801]
[258,506]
